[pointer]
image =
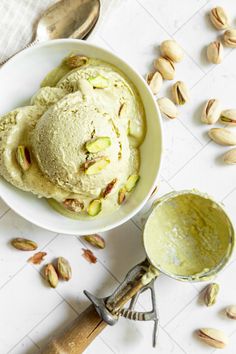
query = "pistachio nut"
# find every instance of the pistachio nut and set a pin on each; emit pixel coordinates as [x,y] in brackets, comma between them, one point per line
[219,18]
[231,312]
[228,116]
[98,144]
[211,111]
[167,107]
[95,240]
[155,81]
[215,52]
[131,182]
[95,166]
[64,268]
[75,61]
[230,157]
[230,38]
[23,157]
[98,81]
[165,67]
[89,256]
[95,207]
[223,136]
[211,293]
[37,258]
[74,205]
[213,337]
[24,244]
[51,275]
[171,50]
[107,190]
[122,195]
[180,93]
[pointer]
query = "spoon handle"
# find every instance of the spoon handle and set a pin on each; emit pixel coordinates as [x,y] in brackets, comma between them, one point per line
[31,44]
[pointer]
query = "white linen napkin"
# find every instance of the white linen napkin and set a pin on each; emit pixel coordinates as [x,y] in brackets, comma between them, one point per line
[18,19]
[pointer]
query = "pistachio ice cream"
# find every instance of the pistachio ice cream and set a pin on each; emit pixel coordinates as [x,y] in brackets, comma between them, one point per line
[77,144]
[188,235]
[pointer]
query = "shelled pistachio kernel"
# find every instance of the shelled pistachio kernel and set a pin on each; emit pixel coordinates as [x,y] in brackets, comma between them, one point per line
[95,207]
[98,81]
[23,157]
[98,144]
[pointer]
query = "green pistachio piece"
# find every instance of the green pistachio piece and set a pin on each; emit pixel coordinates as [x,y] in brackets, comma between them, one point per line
[131,182]
[98,81]
[96,166]
[98,144]
[95,207]
[23,157]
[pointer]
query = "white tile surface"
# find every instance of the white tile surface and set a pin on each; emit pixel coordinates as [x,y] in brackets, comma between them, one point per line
[30,311]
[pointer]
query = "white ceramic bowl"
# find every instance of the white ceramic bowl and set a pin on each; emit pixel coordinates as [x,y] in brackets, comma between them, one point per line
[20,78]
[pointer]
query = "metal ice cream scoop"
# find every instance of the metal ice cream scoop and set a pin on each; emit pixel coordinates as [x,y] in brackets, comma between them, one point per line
[66,19]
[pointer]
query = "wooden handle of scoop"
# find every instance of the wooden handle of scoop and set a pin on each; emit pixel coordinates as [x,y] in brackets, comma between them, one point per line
[75,338]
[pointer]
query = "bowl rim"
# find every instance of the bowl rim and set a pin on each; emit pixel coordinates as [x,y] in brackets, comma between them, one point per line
[157,113]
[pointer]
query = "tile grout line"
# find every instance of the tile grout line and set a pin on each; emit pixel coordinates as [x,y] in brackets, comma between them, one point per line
[168,334]
[24,337]
[35,326]
[187,162]
[232,190]
[33,341]
[169,34]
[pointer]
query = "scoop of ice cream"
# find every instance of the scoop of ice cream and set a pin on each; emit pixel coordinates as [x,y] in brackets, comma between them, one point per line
[60,143]
[46,96]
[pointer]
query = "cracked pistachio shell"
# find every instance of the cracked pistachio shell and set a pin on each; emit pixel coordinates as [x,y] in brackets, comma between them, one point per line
[228,116]
[230,38]
[180,93]
[171,50]
[155,82]
[75,61]
[213,337]
[231,312]
[230,157]
[167,107]
[219,18]
[223,136]
[165,67]
[211,111]
[215,52]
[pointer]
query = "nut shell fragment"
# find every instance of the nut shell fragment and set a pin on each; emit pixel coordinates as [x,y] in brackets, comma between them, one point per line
[75,61]
[228,116]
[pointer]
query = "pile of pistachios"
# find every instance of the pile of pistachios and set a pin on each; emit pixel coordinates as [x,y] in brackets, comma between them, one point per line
[211,336]
[61,268]
[220,20]
[223,136]
[164,66]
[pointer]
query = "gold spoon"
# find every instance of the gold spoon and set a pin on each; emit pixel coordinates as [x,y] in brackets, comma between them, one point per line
[66,19]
